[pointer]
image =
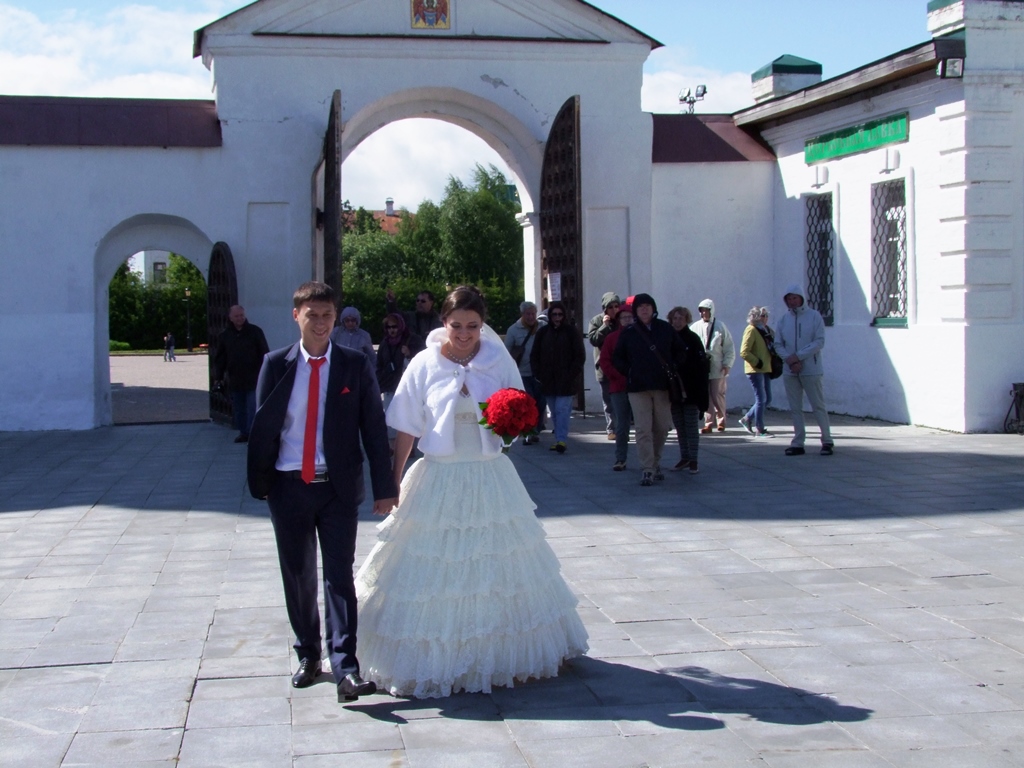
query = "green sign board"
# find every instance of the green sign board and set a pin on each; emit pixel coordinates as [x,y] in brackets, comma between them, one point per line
[858,138]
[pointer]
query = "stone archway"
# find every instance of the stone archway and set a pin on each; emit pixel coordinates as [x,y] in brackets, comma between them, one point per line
[499,129]
[150,231]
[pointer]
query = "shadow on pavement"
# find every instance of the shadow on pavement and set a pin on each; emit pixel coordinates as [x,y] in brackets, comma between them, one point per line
[594,689]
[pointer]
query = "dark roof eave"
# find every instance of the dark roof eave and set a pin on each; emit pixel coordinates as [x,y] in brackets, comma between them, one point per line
[898,66]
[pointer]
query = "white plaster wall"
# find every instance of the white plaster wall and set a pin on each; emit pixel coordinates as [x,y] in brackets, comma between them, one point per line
[887,373]
[711,238]
[255,193]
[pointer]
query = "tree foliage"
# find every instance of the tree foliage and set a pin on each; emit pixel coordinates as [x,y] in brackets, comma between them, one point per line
[471,236]
[142,313]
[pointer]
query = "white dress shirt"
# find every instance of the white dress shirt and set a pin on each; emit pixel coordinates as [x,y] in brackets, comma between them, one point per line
[293,432]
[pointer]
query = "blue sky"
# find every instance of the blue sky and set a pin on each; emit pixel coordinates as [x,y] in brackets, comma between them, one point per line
[140,48]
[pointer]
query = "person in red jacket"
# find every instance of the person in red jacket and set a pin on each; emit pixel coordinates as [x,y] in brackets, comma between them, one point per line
[618,395]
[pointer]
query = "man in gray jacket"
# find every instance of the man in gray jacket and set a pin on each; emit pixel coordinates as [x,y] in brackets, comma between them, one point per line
[799,339]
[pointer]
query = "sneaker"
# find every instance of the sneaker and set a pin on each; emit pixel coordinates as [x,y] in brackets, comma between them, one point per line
[746,425]
[647,479]
[553,447]
[682,464]
[765,434]
[826,449]
[658,475]
[618,466]
[693,468]
[560,446]
[795,450]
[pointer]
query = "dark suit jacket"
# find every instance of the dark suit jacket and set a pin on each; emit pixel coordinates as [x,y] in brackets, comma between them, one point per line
[352,413]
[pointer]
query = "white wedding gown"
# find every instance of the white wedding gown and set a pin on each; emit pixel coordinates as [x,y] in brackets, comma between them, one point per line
[462,591]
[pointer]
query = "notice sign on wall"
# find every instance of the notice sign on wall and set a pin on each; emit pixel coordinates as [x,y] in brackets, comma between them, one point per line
[858,138]
[554,286]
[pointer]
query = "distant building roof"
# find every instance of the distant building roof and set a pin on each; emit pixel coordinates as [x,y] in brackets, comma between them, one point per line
[787,65]
[704,139]
[81,122]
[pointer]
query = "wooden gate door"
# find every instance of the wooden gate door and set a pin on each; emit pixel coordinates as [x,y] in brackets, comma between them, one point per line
[332,223]
[221,296]
[561,238]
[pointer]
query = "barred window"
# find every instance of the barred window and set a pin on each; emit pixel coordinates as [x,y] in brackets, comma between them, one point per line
[820,255]
[889,252]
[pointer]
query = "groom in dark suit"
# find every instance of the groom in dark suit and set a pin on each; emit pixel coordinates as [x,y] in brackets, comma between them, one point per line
[316,403]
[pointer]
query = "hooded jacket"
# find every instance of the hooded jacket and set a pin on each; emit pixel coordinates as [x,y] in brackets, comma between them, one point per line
[557,356]
[801,332]
[598,330]
[635,360]
[717,341]
[356,338]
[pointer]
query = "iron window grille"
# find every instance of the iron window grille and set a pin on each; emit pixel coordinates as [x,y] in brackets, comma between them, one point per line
[820,255]
[889,252]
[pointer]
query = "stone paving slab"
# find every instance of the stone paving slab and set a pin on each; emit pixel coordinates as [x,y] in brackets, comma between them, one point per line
[863,610]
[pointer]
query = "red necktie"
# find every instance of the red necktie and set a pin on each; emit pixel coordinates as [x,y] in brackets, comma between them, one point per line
[312,407]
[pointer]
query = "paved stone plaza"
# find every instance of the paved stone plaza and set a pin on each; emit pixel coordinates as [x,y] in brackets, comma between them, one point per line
[858,611]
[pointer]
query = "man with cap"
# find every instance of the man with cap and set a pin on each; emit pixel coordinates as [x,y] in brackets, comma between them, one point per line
[799,339]
[721,355]
[647,380]
[600,326]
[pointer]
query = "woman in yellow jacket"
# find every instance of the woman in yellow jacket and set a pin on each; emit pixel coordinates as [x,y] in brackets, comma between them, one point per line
[757,364]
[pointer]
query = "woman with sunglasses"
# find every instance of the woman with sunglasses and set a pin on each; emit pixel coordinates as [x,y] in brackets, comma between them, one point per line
[557,360]
[393,355]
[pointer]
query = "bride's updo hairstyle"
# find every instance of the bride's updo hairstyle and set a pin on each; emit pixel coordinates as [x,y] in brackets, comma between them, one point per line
[466,297]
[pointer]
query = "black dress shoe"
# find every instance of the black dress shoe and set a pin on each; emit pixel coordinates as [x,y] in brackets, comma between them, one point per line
[352,686]
[309,669]
[795,450]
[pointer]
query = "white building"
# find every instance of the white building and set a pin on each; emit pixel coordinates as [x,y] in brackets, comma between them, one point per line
[908,185]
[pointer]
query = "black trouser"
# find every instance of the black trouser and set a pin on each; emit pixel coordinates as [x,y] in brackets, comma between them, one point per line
[301,514]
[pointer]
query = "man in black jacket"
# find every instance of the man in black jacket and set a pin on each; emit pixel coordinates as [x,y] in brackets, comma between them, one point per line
[647,380]
[240,350]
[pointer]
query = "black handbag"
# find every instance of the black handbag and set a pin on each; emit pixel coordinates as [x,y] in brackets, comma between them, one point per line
[777,365]
[676,390]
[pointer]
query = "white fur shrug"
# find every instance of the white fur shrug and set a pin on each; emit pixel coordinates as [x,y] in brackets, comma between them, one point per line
[424,403]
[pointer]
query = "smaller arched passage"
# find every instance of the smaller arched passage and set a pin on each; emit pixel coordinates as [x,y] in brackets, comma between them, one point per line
[149,231]
[502,131]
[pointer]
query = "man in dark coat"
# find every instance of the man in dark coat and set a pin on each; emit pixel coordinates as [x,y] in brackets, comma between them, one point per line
[421,321]
[647,380]
[319,410]
[240,350]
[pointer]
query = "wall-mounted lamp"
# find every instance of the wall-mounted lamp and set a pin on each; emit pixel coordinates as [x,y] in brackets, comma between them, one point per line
[949,68]
[892,160]
[689,98]
[820,176]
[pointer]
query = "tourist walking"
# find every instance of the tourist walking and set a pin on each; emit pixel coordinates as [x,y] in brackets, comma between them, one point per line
[557,360]
[686,416]
[721,353]
[757,365]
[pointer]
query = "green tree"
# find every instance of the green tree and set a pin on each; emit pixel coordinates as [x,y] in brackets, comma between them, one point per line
[374,258]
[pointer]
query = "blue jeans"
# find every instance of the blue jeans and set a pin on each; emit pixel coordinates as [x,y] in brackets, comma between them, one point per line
[767,391]
[532,388]
[756,413]
[243,406]
[561,410]
[621,413]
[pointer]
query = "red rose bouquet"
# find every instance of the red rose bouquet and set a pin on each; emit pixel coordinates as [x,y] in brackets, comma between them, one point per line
[509,413]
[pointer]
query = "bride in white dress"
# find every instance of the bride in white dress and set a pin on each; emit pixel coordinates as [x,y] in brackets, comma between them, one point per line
[462,591]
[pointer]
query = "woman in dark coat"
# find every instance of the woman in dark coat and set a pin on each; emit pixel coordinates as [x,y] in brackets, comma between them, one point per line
[557,361]
[393,354]
[686,416]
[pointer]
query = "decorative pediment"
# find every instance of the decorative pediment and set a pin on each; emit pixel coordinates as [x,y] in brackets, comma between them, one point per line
[542,20]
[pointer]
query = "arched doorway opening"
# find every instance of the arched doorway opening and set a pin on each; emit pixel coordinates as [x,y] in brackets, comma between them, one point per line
[141,233]
[157,315]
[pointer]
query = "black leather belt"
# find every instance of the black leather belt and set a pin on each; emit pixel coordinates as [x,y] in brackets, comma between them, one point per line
[296,474]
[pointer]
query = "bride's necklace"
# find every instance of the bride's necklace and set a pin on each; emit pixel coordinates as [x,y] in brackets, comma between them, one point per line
[461,360]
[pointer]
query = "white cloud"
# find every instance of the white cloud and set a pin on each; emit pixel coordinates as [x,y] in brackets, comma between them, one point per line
[670,70]
[411,160]
[131,51]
